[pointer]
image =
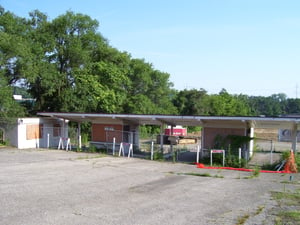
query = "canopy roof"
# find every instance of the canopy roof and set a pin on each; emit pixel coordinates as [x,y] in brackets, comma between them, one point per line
[207,121]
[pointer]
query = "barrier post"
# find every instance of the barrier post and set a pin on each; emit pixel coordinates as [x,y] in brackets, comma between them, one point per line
[121,149]
[60,143]
[130,151]
[68,145]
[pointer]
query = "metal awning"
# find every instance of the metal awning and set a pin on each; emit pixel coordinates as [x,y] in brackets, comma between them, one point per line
[206,121]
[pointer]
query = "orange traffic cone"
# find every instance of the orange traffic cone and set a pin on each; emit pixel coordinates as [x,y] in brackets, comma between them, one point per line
[290,165]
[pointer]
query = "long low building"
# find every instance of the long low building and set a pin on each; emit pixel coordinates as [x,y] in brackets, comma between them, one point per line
[103,124]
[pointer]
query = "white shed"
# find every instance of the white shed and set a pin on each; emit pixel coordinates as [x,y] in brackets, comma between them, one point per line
[36,132]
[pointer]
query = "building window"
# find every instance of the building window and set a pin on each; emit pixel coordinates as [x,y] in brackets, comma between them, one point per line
[34,131]
[56,130]
[109,128]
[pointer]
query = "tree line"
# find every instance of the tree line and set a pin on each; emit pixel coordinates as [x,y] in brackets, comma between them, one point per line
[66,65]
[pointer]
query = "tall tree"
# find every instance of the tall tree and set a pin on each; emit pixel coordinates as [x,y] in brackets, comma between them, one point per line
[149,90]
[12,29]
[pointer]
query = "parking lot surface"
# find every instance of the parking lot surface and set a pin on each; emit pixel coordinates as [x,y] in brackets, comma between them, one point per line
[59,187]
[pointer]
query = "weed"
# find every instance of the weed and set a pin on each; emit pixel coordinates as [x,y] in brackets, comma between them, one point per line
[92,149]
[259,210]
[255,173]
[197,174]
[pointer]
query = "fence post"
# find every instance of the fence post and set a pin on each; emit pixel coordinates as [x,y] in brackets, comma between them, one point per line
[114,145]
[152,150]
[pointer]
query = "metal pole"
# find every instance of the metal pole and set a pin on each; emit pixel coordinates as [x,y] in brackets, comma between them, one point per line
[271,156]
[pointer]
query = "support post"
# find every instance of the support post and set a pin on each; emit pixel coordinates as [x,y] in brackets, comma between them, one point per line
[171,145]
[162,138]
[251,143]
[79,136]
[271,156]
[202,142]
[48,140]
[294,137]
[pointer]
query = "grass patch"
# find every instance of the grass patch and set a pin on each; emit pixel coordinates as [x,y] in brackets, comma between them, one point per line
[91,157]
[241,220]
[286,195]
[198,174]
[287,200]
[288,217]
[290,182]
[259,210]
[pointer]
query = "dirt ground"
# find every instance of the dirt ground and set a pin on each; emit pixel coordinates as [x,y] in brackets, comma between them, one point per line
[59,187]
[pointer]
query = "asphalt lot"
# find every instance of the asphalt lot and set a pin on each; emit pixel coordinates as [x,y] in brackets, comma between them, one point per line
[59,187]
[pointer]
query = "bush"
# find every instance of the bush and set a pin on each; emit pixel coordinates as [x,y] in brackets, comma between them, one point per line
[158,156]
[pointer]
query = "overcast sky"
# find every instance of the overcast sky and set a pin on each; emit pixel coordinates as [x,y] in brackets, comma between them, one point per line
[245,46]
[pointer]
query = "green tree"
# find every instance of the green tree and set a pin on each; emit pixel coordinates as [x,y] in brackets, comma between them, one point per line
[66,65]
[192,102]
[149,90]
[273,105]
[12,45]
[224,104]
[293,106]
[9,108]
